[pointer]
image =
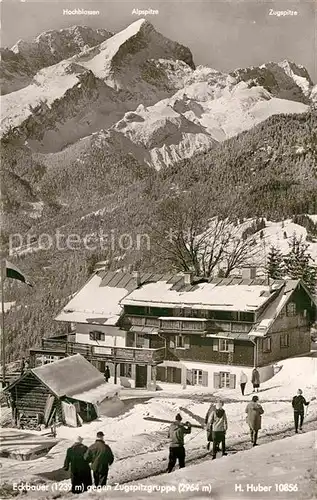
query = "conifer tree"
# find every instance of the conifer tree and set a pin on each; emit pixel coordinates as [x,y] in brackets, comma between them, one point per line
[298,263]
[275,264]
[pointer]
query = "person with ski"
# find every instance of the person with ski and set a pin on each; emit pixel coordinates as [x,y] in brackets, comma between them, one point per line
[79,467]
[243,382]
[298,403]
[208,425]
[255,379]
[176,435]
[254,411]
[101,457]
[219,423]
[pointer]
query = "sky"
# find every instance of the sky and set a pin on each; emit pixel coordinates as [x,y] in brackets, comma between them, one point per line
[222,34]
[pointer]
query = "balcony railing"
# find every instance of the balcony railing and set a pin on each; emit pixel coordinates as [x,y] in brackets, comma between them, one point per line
[180,324]
[110,353]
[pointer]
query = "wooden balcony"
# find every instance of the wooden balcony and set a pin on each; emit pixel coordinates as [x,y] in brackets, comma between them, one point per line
[192,325]
[136,355]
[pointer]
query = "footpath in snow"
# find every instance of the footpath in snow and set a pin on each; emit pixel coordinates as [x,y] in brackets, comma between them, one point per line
[141,447]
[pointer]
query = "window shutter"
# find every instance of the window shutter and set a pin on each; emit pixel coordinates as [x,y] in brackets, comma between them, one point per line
[217,380]
[232,381]
[189,377]
[205,379]
[172,344]
[186,342]
[215,346]
[111,368]
[231,347]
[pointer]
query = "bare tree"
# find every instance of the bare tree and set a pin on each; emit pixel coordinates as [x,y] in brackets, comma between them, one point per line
[190,240]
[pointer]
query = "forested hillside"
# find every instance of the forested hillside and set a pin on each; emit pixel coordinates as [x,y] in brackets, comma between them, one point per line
[269,171]
[272,168]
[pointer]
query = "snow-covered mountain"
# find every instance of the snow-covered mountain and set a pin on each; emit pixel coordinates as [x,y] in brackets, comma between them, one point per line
[285,79]
[21,62]
[140,85]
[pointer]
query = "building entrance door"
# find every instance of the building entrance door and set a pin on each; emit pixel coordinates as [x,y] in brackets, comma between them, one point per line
[141,376]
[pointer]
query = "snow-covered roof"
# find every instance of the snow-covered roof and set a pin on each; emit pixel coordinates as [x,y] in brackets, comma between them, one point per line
[98,301]
[269,315]
[98,394]
[216,296]
[94,303]
[67,376]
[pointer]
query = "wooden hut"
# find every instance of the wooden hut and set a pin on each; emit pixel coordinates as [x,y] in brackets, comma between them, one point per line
[68,391]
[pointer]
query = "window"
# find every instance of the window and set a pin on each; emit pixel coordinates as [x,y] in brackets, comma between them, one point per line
[224,379]
[182,342]
[267,344]
[291,309]
[179,342]
[125,370]
[200,377]
[97,336]
[223,345]
[141,341]
[284,340]
[247,316]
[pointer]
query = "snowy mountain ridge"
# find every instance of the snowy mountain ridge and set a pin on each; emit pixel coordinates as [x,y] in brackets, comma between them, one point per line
[97,84]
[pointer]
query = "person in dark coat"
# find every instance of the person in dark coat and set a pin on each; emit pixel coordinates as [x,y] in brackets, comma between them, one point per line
[298,404]
[219,423]
[255,379]
[79,467]
[100,456]
[176,435]
[107,373]
[254,411]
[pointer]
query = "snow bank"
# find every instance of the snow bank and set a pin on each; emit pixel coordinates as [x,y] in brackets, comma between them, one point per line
[272,466]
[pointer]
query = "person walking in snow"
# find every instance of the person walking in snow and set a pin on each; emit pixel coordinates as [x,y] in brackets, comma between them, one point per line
[254,411]
[219,423]
[79,467]
[298,403]
[255,379]
[208,424]
[101,457]
[176,435]
[243,382]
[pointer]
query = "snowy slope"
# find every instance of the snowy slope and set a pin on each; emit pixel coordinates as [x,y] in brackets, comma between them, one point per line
[48,85]
[272,465]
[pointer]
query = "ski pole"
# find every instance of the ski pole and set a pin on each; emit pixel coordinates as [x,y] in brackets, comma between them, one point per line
[195,435]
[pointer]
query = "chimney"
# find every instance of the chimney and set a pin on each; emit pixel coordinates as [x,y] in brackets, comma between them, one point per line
[248,273]
[137,276]
[188,278]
